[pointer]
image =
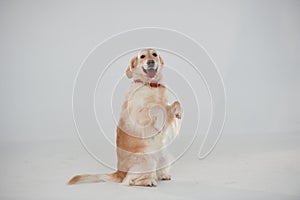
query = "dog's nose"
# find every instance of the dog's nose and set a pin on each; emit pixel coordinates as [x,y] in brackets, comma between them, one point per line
[150,63]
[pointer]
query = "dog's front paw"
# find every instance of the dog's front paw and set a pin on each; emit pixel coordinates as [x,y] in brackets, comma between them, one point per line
[163,174]
[164,177]
[176,110]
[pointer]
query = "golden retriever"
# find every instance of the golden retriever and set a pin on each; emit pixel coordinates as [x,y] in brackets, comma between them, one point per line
[143,126]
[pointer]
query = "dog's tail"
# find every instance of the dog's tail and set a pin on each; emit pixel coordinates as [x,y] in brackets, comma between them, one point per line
[117,176]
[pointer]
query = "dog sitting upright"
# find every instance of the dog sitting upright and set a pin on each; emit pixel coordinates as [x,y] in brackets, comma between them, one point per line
[142,130]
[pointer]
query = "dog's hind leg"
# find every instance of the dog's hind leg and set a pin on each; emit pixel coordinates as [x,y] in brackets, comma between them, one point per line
[142,173]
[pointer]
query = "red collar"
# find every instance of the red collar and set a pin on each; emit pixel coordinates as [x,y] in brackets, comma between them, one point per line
[151,84]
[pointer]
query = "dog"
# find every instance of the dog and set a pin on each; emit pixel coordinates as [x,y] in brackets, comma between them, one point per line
[143,127]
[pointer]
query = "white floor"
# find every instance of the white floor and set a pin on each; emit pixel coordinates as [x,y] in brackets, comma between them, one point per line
[241,167]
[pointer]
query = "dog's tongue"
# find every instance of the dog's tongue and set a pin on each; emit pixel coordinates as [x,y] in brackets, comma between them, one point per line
[151,73]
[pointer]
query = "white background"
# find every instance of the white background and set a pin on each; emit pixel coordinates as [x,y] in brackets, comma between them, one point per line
[255,44]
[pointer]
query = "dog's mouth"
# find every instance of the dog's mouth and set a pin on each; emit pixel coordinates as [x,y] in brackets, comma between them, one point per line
[151,72]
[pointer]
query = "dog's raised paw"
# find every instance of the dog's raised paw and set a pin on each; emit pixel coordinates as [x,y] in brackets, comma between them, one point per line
[177,110]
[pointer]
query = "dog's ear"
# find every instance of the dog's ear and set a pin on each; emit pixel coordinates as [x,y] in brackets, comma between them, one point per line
[161,61]
[133,64]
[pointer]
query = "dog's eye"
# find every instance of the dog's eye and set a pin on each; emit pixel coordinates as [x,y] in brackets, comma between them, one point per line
[154,54]
[142,56]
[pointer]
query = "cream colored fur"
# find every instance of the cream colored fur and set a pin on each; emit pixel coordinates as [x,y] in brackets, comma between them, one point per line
[143,126]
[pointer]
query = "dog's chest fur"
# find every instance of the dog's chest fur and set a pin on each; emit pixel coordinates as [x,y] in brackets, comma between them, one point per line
[143,96]
[136,112]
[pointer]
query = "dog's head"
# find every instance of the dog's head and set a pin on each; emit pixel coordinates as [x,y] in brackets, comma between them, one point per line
[146,66]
